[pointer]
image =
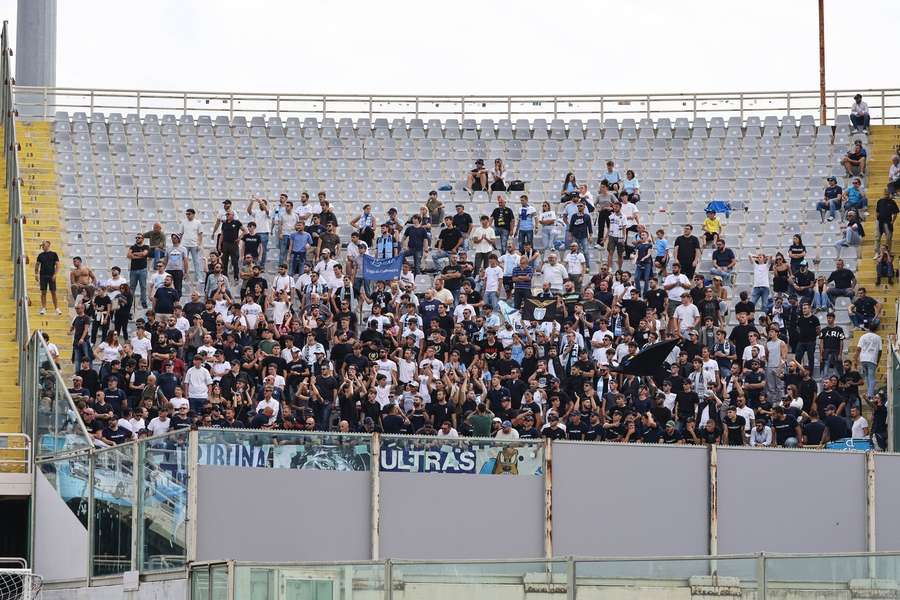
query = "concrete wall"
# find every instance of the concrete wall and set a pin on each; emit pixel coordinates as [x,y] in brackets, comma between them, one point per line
[437,516]
[60,540]
[627,500]
[172,589]
[791,501]
[282,515]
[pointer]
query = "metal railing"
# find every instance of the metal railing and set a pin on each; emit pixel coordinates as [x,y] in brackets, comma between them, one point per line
[15,453]
[44,102]
[13,184]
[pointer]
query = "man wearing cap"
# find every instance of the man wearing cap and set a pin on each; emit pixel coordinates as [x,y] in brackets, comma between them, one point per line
[229,243]
[506,431]
[855,160]
[859,114]
[476,179]
[803,282]
[198,383]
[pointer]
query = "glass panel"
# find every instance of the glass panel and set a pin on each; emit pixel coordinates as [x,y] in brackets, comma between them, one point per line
[70,479]
[586,572]
[113,506]
[164,498]
[200,583]
[219,582]
[58,427]
[472,456]
[285,450]
[332,582]
[835,571]
[480,581]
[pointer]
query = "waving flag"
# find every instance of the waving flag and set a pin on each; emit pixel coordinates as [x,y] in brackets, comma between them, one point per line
[381,269]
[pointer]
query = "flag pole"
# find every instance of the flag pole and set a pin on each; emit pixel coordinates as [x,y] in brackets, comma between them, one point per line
[822,103]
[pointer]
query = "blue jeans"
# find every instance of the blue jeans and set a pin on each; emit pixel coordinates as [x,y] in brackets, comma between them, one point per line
[851,238]
[437,255]
[156,254]
[503,234]
[263,249]
[283,243]
[492,300]
[642,273]
[548,235]
[831,206]
[417,259]
[859,321]
[525,237]
[81,351]
[760,293]
[727,276]
[860,121]
[868,372]
[821,300]
[585,247]
[194,256]
[135,278]
[298,259]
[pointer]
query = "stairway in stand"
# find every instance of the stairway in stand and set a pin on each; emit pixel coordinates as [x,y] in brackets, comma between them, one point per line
[883,139]
[43,221]
[10,396]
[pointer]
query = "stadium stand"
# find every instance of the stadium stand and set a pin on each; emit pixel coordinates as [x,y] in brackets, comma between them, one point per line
[120,176]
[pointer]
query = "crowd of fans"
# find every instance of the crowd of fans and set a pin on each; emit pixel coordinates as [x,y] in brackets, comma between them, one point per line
[276,328]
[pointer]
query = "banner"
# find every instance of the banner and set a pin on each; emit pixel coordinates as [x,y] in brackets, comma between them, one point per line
[462,457]
[325,457]
[539,310]
[851,445]
[381,269]
[236,455]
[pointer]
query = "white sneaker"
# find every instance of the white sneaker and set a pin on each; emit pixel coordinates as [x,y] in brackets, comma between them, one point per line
[59,312]
[43,311]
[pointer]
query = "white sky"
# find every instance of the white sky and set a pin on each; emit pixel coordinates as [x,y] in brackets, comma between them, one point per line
[472,47]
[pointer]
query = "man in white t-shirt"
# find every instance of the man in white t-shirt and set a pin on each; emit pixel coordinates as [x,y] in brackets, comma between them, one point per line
[114,282]
[554,273]
[676,283]
[287,221]
[868,353]
[161,424]
[492,277]
[484,241]
[860,427]
[687,316]
[258,210]
[140,342]
[575,265]
[307,209]
[192,240]
[198,383]
[761,288]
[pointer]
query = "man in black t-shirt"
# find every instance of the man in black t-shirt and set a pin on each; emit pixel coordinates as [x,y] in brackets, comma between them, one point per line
[137,269]
[503,219]
[687,251]
[734,425]
[831,347]
[251,242]
[232,229]
[842,279]
[807,332]
[815,433]
[865,310]
[787,431]
[45,269]
[448,242]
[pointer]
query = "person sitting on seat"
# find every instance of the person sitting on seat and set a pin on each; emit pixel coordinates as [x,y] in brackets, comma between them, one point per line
[498,176]
[893,185]
[855,161]
[859,114]
[855,197]
[477,179]
[884,267]
[831,199]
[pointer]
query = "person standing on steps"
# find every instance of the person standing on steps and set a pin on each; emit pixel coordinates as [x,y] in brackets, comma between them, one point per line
[137,270]
[45,269]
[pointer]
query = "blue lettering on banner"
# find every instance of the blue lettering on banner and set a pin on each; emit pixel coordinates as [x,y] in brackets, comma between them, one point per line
[381,269]
[406,460]
[235,455]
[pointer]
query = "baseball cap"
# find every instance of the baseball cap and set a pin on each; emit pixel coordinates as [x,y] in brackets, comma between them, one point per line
[670,423]
[506,424]
[497,420]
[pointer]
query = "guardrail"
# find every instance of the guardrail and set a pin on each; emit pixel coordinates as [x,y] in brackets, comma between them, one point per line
[15,453]
[44,102]
[13,183]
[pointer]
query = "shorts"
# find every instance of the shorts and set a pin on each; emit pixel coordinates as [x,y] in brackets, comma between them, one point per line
[614,244]
[507,283]
[48,282]
[661,261]
[709,237]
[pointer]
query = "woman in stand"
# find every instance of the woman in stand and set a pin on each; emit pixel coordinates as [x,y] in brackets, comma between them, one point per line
[632,186]
[498,176]
[569,186]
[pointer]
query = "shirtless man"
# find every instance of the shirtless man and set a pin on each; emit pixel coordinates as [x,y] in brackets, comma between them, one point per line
[81,278]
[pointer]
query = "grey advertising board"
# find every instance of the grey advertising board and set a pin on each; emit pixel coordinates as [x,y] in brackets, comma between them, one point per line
[629,500]
[283,515]
[791,501]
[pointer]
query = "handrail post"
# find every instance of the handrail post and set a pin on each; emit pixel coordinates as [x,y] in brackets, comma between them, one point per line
[278,106]
[761,576]
[883,109]
[509,108]
[230,107]
[92,101]
[388,580]
[789,104]
[741,103]
[184,104]
[570,578]
[649,112]
[138,105]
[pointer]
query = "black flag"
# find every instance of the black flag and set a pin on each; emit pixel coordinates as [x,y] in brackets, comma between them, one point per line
[534,309]
[649,362]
